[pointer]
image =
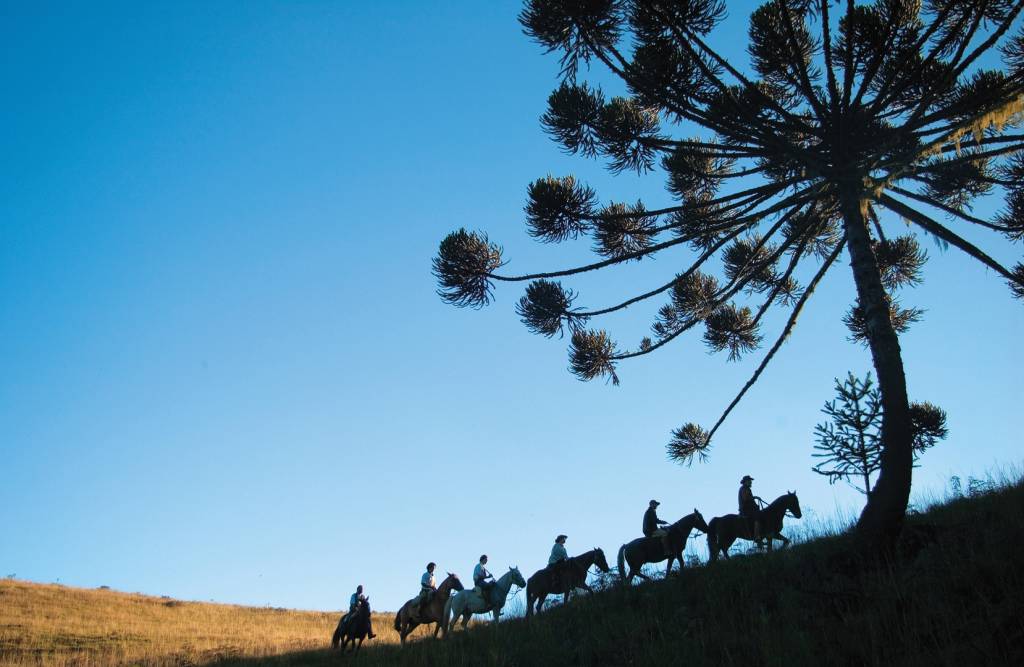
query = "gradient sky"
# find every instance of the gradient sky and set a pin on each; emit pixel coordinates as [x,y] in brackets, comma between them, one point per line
[226,374]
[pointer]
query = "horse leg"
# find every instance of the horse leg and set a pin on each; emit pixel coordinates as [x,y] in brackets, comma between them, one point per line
[540,601]
[465,618]
[668,570]
[407,629]
[724,545]
[497,612]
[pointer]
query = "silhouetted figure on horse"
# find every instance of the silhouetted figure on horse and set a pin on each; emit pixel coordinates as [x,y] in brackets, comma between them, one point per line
[724,530]
[428,606]
[656,548]
[562,577]
[749,507]
[354,626]
[652,526]
[480,600]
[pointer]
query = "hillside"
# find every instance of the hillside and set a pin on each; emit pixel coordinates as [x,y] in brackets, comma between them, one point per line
[954,596]
[43,624]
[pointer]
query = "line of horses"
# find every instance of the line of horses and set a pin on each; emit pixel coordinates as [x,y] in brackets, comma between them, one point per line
[452,600]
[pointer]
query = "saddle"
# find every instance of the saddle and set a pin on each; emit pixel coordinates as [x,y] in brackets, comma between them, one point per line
[660,541]
[483,589]
[421,602]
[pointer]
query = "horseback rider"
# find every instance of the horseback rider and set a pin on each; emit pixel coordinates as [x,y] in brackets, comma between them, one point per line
[652,525]
[481,585]
[353,604]
[427,588]
[556,561]
[748,506]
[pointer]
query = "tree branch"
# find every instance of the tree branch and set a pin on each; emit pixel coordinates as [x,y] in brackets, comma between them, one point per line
[947,209]
[946,235]
[811,286]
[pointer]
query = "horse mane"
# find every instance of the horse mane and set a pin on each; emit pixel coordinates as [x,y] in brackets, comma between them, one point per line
[775,504]
[448,582]
[584,555]
[678,524]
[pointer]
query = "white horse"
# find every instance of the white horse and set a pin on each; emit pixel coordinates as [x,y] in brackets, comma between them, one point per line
[466,603]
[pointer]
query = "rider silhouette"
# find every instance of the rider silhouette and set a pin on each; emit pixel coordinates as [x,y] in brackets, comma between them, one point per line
[748,506]
[480,577]
[652,523]
[427,588]
[353,604]
[557,560]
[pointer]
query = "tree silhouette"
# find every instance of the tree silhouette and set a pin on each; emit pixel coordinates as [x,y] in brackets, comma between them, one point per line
[851,116]
[850,442]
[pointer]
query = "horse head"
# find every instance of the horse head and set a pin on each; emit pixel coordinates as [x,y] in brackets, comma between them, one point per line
[517,577]
[698,521]
[451,582]
[793,504]
[599,560]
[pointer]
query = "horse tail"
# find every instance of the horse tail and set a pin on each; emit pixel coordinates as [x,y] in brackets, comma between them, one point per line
[337,635]
[398,618]
[622,562]
[530,594]
[713,539]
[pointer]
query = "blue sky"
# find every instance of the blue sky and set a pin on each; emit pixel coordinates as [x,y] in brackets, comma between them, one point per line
[226,374]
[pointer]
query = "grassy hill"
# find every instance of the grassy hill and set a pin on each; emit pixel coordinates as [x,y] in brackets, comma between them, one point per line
[954,595]
[51,625]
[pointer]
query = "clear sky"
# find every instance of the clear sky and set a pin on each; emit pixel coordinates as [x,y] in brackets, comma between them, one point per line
[225,371]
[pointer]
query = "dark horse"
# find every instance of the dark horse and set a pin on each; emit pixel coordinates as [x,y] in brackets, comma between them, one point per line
[407,619]
[352,627]
[651,550]
[724,530]
[573,575]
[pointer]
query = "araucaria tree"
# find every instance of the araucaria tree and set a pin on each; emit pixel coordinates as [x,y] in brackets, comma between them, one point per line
[849,444]
[849,117]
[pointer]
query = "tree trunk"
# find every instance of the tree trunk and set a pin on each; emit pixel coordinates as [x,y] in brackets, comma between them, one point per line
[882,518]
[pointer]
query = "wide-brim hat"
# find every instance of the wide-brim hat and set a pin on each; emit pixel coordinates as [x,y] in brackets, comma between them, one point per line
[745,478]
[655,503]
[561,537]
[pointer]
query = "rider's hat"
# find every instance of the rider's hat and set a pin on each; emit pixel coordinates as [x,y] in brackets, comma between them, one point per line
[561,537]
[654,503]
[745,478]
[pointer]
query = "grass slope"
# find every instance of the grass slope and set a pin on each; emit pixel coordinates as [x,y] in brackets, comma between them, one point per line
[953,596]
[51,625]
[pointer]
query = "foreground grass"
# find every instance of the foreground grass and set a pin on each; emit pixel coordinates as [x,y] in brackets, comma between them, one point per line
[50,625]
[954,595]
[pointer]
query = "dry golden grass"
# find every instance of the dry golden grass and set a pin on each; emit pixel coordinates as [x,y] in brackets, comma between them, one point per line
[52,625]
